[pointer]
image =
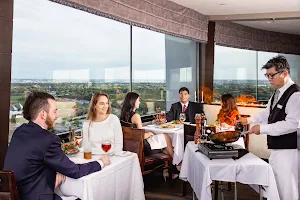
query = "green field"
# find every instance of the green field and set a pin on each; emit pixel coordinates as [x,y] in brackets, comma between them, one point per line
[16,99]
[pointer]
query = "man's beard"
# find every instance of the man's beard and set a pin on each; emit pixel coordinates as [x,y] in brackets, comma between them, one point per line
[50,123]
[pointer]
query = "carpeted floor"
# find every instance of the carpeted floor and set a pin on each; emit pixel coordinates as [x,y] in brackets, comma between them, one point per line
[157,189]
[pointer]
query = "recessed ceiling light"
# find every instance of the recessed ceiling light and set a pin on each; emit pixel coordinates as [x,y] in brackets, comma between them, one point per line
[222,4]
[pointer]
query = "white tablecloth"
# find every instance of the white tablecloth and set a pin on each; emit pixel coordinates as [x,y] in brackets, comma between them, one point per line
[199,171]
[121,180]
[177,138]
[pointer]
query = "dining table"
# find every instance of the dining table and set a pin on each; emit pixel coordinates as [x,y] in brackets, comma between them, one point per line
[176,133]
[121,180]
[177,137]
[200,171]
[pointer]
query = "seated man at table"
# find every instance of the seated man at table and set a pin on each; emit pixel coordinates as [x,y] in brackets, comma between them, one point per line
[35,155]
[184,106]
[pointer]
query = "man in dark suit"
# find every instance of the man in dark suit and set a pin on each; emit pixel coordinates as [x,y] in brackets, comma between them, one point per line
[184,106]
[35,154]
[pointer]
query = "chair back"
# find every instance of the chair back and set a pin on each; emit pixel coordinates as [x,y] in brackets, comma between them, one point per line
[189,132]
[133,141]
[127,124]
[246,128]
[8,186]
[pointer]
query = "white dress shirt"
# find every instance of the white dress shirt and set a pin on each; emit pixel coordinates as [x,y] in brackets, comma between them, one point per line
[186,105]
[292,119]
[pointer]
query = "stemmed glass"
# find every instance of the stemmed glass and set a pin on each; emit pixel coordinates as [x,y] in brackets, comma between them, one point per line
[106,146]
[182,117]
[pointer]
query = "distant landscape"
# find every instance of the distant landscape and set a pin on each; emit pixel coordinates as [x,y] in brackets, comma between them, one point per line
[77,96]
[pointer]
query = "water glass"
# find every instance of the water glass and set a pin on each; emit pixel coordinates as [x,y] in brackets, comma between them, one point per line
[182,117]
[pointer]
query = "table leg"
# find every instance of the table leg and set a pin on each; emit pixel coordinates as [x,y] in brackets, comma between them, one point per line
[260,193]
[216,190]
[235,191]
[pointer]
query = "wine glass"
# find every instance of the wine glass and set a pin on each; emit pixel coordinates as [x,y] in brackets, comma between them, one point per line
[182,117]
[106,146]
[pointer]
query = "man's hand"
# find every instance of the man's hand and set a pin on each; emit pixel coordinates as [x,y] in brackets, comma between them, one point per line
[148,135]
[255,129]
[105,159]
[243,120]
[59,179]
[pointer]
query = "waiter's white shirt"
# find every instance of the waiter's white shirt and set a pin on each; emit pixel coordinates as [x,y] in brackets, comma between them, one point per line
[292,119]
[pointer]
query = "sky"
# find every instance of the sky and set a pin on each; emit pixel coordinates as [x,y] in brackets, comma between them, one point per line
[52,41]
[49,37]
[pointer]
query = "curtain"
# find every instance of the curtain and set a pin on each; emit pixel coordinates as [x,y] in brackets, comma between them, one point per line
[159,15]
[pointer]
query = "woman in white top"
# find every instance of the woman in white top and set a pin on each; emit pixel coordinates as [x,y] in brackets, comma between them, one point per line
[101,125]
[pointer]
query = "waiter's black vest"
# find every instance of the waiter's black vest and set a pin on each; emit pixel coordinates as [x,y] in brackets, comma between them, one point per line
[287,141]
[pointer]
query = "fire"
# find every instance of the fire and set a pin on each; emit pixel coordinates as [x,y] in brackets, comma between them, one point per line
[246,98]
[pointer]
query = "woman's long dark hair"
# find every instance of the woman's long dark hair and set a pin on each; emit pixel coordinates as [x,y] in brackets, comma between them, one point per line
[228,105]
[128,106]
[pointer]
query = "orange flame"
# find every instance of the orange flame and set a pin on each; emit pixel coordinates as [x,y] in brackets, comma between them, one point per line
[246,98]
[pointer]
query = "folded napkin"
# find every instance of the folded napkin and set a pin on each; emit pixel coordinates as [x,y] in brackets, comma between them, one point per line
[157,141]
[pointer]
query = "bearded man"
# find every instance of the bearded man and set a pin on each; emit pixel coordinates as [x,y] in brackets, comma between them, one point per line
[35,156]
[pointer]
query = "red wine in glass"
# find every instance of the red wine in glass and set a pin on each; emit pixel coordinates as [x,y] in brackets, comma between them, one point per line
[106,146]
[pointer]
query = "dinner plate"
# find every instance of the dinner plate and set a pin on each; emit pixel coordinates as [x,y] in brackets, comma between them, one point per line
[123,153]
[101,153]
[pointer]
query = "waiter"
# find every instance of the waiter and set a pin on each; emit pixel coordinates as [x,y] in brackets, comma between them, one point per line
[280,121]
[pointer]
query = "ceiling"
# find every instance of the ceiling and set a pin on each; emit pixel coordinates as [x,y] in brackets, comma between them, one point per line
[254,13]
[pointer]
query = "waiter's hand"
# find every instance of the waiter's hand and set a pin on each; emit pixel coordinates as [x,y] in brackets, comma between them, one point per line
[255,129]
[59,179]
[243,120]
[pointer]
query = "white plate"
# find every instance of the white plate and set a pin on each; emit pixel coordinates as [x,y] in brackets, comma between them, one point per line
[123,153]
[101,153]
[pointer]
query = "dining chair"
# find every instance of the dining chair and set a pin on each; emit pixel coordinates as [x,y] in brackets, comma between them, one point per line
[133,141]
[246,128]
[8,186]
[127,124]
[189,132]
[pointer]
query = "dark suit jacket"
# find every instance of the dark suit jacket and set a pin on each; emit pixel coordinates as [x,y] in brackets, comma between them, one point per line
[35,155]
[192,109]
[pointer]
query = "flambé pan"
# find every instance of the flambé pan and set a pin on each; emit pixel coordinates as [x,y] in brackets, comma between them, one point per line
[226,136]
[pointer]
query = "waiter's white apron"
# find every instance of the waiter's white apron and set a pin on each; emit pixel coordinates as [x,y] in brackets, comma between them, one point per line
[284,163]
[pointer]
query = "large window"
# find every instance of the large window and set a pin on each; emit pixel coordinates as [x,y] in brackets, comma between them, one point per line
[160,67]
[234,72]
[149,69]
[238,72]
[71,54]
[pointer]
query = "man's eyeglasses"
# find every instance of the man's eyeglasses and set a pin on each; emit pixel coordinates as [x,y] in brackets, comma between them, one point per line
[271,76]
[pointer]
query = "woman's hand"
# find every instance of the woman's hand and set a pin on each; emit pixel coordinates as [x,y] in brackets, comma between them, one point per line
[148,135]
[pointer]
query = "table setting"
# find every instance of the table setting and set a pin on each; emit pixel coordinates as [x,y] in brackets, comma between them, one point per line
[122,179]
[175,131]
